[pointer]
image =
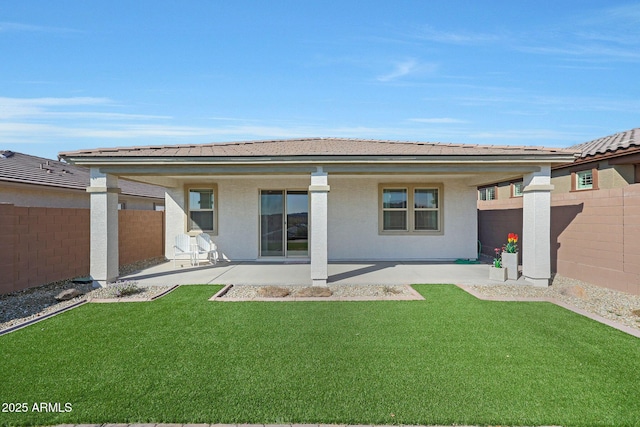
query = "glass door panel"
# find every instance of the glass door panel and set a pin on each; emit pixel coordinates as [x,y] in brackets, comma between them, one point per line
[271,223]
[297,208]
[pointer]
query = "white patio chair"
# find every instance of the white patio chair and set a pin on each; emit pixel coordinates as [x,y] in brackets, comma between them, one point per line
[183,246]
[206,246]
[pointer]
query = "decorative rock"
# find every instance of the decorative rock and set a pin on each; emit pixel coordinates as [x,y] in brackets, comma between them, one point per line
[68,294]
[273,292]
[314,291]
[574,291]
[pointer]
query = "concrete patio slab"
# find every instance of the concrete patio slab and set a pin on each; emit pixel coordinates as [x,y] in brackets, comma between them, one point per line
[297,273]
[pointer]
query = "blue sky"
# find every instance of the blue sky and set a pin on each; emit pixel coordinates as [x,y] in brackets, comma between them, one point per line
[88,74]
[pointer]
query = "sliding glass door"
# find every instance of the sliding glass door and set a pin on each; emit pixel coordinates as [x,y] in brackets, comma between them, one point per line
[284,223]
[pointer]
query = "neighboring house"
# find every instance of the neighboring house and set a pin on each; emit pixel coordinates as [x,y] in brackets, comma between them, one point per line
[32,181]
[595,214]
[324,199]
[604,163]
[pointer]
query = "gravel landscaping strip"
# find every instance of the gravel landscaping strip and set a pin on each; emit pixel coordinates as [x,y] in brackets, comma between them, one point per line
[338,292]
[608,303]
[34,303]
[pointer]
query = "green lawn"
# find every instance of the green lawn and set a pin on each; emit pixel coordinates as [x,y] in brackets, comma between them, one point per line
[450,359]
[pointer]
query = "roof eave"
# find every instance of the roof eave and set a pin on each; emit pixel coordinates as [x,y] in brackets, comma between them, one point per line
[537,158]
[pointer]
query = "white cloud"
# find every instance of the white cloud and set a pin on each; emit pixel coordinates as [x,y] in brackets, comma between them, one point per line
[460,37]
[43,109]
[405,68]
[437,120]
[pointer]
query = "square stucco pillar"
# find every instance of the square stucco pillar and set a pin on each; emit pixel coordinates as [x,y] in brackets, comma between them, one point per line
[536,227]
[103,192]
[319,190]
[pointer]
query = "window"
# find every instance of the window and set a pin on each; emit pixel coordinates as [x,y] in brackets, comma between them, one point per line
[122,206]
[425,205]
[394,209]
[487,193]
[517,188]
[584,180]
[202,206]
[410,208]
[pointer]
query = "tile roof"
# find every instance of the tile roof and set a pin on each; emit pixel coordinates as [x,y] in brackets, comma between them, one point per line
[314,147]
[611,143]
[26,169]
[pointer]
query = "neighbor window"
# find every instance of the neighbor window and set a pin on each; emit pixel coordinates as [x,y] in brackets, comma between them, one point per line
[411,208]
[517,189]
[202,207]
[584,180]
[487,193]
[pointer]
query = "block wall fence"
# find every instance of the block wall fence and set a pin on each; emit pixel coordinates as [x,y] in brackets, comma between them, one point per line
[44,245]
[595,235]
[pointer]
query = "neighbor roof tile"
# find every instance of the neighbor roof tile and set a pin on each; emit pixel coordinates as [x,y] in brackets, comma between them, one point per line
[26,169]
[620,140]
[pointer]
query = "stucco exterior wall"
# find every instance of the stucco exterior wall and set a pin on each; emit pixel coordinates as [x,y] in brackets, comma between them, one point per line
[353,222]
[353,218]
[609,176]
[43,197]
[52,197]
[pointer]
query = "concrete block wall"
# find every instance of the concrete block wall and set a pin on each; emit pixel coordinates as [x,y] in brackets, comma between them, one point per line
[496,219]
[8,254]
[140,235]
[43,245]
[595,235]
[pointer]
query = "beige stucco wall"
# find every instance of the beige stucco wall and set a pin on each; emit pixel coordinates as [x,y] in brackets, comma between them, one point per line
[52,197]
[353,218]
[609,177]
[47,197]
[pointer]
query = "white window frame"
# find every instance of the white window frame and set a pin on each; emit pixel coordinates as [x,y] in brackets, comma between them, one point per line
[483,193]
[410,210]
[214,210]
[583,175]
[516,185]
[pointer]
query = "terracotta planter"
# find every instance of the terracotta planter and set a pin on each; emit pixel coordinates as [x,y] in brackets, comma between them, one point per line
[510,262]
[496,273]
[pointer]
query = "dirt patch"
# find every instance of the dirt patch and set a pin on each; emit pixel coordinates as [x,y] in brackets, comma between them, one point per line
[314,291]
[273,292]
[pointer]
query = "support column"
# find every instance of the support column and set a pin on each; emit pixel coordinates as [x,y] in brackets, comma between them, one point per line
[103,192]
[318,191]
[536,227]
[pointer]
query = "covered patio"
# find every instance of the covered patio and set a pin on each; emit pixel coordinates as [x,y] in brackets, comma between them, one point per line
[298,273]
[315,205]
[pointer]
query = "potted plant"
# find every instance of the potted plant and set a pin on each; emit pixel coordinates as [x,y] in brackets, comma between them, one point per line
[510,256]
[496,272]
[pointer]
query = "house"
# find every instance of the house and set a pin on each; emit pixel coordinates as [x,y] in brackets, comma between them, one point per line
[595,213]
[609,162]
[324,199]
[33,181]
